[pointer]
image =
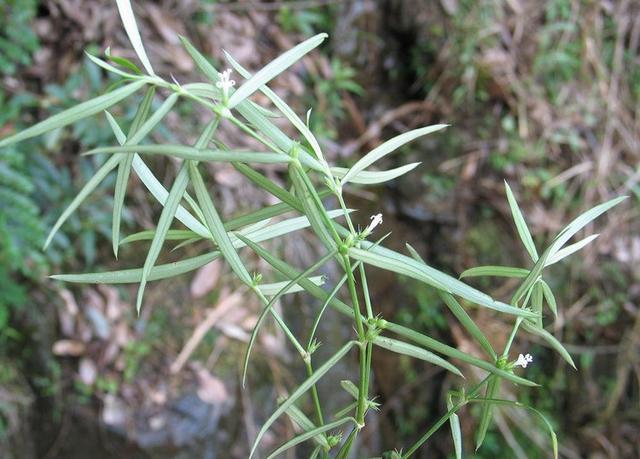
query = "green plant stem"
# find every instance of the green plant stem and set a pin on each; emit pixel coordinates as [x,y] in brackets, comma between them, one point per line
[507,347]
[314,392]
[362,338]
[346,213]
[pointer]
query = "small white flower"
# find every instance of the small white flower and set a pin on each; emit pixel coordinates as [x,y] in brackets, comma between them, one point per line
[225,83]
[375,221]
[524,360]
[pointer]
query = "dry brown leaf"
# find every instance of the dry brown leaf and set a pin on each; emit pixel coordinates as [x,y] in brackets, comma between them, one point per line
[211,389]
[68,347]
[206,279]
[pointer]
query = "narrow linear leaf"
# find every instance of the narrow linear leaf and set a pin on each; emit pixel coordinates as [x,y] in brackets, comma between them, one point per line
[160,193]
[197,154]
[468,323]
[400,347]
[567,233]
[456,431]
[91,185]
[302,388]
[310,434]
[311,210]
[493,386]
[375,177]
[304,423]
[536,301]
[134,275]
[154,186]
[214,222]
[166,217]
[496,271]
[71,115]
[454,353]
[147,235]
[274,68]
[549,297]
[551,341]
[284,108]
[153,120]
[389,147]
[124,170]
[122,61]
[110,68]
[521,224]
[130,26]
[458,311]
[273,288]
[571,249]
[401,264]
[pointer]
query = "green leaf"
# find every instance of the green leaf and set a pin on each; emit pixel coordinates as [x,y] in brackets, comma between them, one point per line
[313,433]
[493,386]
[460,314]
[571,249]
[497,271]
[203,64]
[91,185]
[302,388]
[375,177]
[175,196]
[567,233]
[536,302]
[388,147]
[456,431]
[551,341]
[71,115]
[521,225]
[311,210]
[130,26]
[400,347]
[170,207]
[155,187]
[172,235]
[274,68]
[549,297]
[110,68]
[153,120]
[132,276]
[122,61]
[266,184]
[124,170]
[160,193]
[401,264]
[273,288]
[350,388]
[197,154]
[468,323]
[216,226]
[454,353]
[302,421]
[283,107]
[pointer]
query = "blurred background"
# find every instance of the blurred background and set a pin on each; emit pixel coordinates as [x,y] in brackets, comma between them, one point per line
[543,94]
